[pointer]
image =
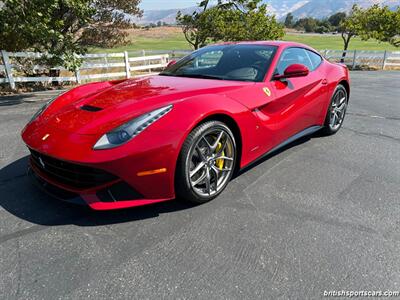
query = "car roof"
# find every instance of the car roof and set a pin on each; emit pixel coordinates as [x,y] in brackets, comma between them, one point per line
[269,43]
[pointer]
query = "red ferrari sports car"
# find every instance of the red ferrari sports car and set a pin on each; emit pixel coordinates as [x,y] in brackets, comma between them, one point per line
[183,133]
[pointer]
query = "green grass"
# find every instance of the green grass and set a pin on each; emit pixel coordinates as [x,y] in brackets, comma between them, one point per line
[176,41]
[142,43]
[335,42]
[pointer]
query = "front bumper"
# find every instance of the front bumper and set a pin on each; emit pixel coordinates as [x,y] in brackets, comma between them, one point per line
[114,194]
[63,159]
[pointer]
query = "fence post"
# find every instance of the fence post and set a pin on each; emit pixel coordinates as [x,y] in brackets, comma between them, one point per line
[7,67]
[127,65]
[354,59]
[384,60]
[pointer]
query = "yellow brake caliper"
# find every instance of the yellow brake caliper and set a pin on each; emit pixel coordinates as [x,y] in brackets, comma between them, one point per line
[219,162]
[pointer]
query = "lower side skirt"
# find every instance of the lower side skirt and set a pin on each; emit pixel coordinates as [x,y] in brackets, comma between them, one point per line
[303,133]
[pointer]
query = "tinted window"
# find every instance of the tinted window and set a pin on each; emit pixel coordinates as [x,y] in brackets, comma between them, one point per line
[315,59]
[225,62]
[206,60]
[293,56]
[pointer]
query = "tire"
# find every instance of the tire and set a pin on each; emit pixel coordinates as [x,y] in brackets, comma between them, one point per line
[334,113]
[202,148]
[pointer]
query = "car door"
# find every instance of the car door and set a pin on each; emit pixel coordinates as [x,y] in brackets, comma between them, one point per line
[297,102]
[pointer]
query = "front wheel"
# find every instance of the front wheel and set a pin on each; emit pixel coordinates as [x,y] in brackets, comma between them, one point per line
[206,162]
[336,111]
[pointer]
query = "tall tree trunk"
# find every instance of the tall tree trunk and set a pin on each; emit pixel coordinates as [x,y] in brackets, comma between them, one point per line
[346,46]
[346,40]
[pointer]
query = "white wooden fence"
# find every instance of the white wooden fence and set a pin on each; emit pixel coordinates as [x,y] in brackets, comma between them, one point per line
[140,63]
[94,66]
[355,58]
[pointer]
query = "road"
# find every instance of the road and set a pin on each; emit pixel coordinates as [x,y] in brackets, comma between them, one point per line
[322,215]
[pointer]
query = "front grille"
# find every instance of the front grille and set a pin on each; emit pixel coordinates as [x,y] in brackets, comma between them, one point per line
[69,174]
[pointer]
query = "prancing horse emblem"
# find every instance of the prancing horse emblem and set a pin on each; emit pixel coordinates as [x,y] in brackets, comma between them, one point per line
[42,163]
[267,91]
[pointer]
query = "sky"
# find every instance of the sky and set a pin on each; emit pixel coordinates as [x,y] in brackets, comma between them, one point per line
[166,4]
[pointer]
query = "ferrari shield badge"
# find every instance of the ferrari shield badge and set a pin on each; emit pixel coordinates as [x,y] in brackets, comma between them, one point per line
[267,91]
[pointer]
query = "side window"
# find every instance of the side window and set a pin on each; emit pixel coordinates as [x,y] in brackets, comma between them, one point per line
[293,56]
[315,59]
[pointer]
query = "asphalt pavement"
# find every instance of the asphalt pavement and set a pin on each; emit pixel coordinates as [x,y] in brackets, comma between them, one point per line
[324,214]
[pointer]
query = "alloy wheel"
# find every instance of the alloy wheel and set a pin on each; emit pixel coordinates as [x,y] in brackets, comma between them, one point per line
[211,162]
[338,110]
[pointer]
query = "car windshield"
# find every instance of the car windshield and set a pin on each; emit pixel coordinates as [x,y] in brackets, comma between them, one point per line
[241,62]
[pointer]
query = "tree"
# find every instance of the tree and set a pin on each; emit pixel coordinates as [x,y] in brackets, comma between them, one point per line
[229,21]
[351,26]
[336,19]
[289,20]
[194,26]
[307,24]
[382,24]
[249,22]
[64,28]
[375,22]
[393,31]
[395,28]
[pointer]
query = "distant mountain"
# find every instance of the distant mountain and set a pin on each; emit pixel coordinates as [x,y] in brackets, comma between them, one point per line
[280,8]
[163,15]
[299,8]
[325,8]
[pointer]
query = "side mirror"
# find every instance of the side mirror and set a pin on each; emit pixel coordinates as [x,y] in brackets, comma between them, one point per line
[171,63]
[295,70]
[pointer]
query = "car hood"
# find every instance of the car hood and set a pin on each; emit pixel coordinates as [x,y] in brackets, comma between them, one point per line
[104,109]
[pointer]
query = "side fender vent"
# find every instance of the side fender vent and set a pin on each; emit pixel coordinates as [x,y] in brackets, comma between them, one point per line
[91,108]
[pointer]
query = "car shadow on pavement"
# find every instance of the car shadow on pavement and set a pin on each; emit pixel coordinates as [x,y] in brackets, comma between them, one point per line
[40,96]
[22,198]
[13,99]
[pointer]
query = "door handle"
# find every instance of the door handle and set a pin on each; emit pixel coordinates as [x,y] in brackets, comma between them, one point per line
[324,82]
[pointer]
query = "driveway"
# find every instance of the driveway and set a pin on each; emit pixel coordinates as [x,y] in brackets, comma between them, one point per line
[324,214]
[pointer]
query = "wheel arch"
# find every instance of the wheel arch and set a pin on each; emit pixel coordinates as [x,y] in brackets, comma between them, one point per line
[346,85]
[198,110]
[231,123]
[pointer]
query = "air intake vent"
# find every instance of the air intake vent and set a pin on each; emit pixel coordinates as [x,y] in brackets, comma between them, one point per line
[91,108]
[70,174]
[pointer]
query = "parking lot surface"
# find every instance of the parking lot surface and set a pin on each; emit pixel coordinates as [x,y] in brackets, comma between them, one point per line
[324,214]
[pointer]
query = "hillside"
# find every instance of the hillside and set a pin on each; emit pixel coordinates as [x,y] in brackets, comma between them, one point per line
[321,9]
[299,8]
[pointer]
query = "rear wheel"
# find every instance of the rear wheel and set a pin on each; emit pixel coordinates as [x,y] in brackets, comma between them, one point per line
[336,111]
[206,162]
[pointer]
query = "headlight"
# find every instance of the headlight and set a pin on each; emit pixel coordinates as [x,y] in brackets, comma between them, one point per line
[126,132]
[42,109]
